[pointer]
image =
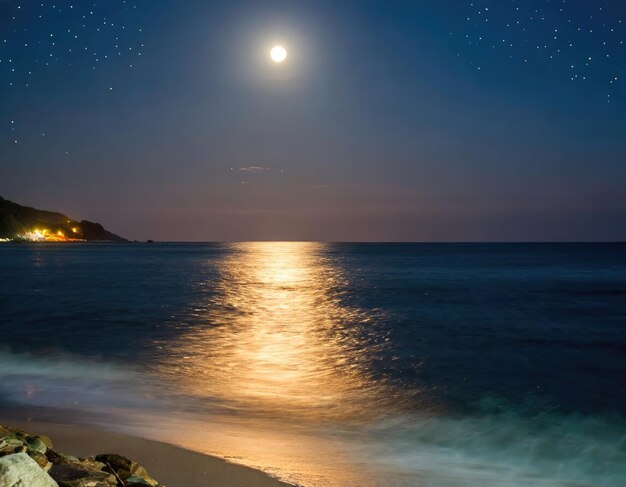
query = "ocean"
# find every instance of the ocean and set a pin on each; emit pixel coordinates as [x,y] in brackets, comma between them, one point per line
[333,364]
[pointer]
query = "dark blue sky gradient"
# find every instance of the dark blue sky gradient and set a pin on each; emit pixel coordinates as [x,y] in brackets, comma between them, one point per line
[389,120]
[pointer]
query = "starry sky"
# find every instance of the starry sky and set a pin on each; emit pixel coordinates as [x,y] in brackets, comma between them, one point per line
[424,120]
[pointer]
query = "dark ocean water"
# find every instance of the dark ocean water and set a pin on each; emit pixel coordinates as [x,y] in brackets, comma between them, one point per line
[335,364]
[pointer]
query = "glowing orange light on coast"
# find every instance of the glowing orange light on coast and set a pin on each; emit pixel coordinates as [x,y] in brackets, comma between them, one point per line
[46,235]
[75,229]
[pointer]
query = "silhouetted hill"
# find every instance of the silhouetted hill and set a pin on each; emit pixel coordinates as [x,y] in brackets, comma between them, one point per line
[17,221]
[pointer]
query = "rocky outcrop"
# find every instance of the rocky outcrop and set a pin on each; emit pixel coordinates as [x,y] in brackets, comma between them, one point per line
[17,220]
[28,460]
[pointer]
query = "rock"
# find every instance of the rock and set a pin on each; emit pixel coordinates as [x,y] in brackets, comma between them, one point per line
[40,458]
[126,469]
[77,475]
[12,440]
[19,470]
[46,440]
[10,444]
[36,443]
[133,481]
[88,482]
[58,458]
[68,471]
[117,462]
[138,471]
[92,464]
[16,431]
[5,449]
[28,460]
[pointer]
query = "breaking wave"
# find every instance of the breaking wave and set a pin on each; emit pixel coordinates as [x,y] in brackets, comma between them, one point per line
[506,445]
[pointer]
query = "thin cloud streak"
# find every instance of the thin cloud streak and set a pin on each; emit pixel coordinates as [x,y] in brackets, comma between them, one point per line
[254,169]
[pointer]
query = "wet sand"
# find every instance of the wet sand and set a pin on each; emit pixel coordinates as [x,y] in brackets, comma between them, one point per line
[170,465]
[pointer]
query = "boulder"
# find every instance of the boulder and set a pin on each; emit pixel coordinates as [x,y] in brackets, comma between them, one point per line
[19,470]
[138,472]
[77,475]
[126,469]
[116,463]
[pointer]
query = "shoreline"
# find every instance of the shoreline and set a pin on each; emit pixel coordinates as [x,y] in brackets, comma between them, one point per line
[171,465]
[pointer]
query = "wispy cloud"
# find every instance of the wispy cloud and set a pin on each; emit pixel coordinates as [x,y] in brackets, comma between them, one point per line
[254,169]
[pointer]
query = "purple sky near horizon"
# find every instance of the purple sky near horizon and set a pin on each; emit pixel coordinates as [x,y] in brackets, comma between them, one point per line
[390,121]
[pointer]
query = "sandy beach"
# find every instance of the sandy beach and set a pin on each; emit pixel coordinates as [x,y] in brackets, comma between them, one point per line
[172,466]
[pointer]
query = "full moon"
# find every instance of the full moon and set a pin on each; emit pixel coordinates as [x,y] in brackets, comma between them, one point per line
[278,54]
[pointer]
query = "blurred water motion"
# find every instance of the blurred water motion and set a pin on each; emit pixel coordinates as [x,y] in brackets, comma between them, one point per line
[276,339]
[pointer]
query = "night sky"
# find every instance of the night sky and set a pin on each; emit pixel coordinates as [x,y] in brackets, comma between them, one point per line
[389,120]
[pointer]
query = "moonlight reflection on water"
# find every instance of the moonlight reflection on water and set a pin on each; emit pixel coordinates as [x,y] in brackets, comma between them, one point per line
[277,340]
[277,353]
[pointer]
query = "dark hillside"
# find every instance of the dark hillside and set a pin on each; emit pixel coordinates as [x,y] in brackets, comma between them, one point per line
[16,221]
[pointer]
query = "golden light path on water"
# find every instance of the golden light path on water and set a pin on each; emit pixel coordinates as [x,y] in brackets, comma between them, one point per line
[273,354]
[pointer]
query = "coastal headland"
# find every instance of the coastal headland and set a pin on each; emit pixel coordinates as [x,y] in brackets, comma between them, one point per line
[25,224]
